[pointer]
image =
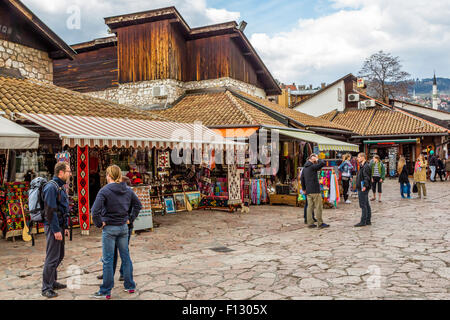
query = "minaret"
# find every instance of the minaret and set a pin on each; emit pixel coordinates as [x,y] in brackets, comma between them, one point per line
[435,93]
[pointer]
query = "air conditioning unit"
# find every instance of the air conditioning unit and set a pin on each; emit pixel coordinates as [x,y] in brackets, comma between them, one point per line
[159,91]
[353,97]
[366,104]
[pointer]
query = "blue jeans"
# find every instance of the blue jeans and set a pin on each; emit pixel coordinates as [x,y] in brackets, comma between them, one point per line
[364,204]
[433,173]
[116,255]
[113,236]
[408,188]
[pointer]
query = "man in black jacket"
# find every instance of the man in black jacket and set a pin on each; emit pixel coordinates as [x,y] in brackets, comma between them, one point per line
[311,187]
[363,185]
[433,166]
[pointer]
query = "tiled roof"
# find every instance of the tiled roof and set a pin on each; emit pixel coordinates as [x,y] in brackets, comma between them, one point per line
[28,96]
[216,109]
[330,115]
[377,122]
[306,119]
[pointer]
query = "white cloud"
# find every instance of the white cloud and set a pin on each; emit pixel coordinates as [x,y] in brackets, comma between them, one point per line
[331,46]
[53,13]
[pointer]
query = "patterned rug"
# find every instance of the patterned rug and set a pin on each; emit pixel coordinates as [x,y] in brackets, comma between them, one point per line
[12,208]
[234,185]
[83,188]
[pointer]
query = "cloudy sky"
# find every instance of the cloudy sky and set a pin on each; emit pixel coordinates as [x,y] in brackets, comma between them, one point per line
[301,41]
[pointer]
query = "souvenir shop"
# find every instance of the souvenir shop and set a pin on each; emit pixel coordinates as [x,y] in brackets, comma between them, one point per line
[15,140]
[296,147]
[390,151]
[163,184]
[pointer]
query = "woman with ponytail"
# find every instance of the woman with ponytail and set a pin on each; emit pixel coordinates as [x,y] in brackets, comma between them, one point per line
[111,213]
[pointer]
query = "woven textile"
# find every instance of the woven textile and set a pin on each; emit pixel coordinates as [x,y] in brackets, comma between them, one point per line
[234,185]
[83,188]
[12,208]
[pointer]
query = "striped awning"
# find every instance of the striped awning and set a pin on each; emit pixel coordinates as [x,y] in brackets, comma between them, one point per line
[324,143]
[124,132]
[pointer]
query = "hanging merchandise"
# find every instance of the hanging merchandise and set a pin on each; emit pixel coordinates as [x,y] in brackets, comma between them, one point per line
[234,185]
[16,200]
[329,186]
[83,186]
[163,159]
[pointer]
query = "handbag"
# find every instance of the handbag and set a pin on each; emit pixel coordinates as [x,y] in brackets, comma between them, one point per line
[415,189]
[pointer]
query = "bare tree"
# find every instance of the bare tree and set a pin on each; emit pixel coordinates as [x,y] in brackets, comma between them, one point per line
[384,75]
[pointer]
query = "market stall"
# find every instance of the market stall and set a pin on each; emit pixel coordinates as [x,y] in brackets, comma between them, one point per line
[303,144]
[146,151]
[14,195]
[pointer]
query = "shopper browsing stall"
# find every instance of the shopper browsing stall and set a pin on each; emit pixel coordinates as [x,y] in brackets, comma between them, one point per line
[405,186]
[346,170]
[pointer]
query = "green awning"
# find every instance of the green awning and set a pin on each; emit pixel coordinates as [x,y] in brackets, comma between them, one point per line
[390,141]
[323,143]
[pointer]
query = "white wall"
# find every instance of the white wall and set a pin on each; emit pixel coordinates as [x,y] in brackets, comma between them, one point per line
[425,111]
[325,102]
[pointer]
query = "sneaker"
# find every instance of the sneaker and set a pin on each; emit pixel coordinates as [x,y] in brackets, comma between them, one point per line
[121,278]
[58,286]
[49,294]
[408,197]
[100,277]
[368,223]
[360,225]
[372,199]
[348,201]
[311,226]
[99,295]
[323,225]
[130,291]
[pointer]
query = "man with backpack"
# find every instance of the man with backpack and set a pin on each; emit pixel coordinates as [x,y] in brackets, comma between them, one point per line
[56,226]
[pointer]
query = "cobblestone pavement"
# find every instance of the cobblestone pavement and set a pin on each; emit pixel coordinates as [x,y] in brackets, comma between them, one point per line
[405,254]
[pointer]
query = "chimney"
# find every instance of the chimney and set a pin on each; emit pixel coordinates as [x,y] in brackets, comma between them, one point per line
[322,85]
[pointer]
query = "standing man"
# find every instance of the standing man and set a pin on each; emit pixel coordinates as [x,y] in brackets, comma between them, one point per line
[56,226]
[311,187]
[363,185]
[433,165]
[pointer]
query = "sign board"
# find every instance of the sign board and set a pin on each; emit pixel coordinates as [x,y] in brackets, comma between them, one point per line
[360,83]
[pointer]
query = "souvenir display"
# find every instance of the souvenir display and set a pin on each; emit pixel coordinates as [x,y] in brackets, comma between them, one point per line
[180,201]
[169,205]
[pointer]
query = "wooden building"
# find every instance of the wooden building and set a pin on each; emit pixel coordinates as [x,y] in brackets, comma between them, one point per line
[158,49]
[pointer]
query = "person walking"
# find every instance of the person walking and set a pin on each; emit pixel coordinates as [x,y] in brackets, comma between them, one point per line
[440,167]
[420,176]
[133,214]
[378,174]
[346,173]
[311,187]
[405,186]
[433,165]
[447,168]
[363,185]
[111,213]
[56,227]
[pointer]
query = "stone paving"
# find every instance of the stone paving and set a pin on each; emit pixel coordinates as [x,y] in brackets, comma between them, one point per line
[405,254]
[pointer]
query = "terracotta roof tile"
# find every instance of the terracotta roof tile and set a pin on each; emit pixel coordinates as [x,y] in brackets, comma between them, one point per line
[27,96]
[306,119]
[378,121]
[218,108]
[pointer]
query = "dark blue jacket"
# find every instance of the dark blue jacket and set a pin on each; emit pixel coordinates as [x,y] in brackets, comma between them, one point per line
[56,206]
[115,204]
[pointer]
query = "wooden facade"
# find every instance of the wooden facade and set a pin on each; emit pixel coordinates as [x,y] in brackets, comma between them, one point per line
[89,71]
[161,49]
[15,29]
